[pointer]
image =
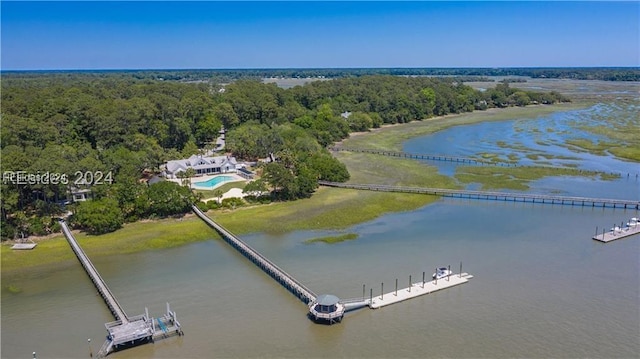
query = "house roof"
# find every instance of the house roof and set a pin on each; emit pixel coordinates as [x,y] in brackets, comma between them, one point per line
[199,162]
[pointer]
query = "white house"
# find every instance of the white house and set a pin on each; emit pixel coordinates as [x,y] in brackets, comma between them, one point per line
[202,165]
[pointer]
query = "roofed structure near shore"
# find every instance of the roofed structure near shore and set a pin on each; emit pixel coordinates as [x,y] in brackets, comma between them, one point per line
[202,165]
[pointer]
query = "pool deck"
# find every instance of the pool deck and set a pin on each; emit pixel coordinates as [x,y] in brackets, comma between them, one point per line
[194,180]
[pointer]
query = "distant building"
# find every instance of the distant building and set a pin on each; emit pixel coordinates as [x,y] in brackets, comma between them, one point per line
[202,165]
[80,192]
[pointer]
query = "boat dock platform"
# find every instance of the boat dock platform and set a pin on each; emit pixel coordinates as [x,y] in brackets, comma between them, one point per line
[632,228]
[329,308]
[125,331]
[418,289]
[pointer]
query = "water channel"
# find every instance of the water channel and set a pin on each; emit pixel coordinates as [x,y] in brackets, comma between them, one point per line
[541,286]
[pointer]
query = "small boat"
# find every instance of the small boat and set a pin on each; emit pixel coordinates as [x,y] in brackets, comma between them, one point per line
[441,273]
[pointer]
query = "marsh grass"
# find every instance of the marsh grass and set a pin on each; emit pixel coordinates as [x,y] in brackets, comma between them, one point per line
[517,178]
[133,237]
[328,208]
[333,239]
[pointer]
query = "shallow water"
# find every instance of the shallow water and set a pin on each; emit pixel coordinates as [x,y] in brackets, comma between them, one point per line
[541,288]
[543,135]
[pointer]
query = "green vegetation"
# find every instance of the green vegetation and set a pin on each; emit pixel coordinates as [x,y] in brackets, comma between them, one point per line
[516,178]
[131,238]
[468,74]
[334,239]
[119,129]
[14,289]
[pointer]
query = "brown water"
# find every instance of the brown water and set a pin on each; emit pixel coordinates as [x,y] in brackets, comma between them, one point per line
[541,288]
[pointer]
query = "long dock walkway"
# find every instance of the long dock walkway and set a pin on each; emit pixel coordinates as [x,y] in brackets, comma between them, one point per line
[496,196]
[423,156]
[285,279]
[125,331]
[105,292]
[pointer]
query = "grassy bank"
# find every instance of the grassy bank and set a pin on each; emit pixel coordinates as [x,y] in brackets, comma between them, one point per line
[133,237]
[392,137]
[328,208]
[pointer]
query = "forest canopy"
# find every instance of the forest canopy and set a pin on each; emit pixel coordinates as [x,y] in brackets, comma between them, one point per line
[125,127]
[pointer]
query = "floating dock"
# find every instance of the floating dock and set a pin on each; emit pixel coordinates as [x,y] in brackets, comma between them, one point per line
[329,308]
[418,289]
[618,233]
[399,295]
[125,331]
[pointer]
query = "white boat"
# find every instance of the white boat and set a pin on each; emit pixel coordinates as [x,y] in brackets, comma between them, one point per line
[441,273]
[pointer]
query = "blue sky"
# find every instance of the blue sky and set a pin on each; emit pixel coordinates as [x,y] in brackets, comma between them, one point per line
[177,35]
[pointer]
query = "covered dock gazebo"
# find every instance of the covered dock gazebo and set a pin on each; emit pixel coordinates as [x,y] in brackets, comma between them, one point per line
[326,308]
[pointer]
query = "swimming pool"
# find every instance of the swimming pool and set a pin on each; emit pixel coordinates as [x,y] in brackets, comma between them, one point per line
[212,182]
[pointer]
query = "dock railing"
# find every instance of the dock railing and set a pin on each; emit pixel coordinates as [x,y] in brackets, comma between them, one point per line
[105,292]
[284,278]
[490,195]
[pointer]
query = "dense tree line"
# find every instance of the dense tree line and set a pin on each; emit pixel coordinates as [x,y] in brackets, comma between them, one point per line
[461,74]
[121,128]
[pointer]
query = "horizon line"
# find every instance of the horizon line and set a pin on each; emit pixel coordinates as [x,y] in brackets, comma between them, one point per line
[317,68]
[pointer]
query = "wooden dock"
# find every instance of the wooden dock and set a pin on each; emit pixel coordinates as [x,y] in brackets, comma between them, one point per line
[424,156]
[285,279]
[494,196]
[125,331]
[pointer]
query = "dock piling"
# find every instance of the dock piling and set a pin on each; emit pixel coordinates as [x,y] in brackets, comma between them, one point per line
[396,287]
[409,282]
[422,279]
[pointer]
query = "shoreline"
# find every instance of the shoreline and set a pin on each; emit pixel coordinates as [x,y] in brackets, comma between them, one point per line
[257,217]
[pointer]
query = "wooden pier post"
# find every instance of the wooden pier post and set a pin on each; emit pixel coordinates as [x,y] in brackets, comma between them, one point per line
[363,292]
[460,270]
[409,282]
[422,280]
[449,274]
[396,287]
[382,290]
[370,296]
[436,276]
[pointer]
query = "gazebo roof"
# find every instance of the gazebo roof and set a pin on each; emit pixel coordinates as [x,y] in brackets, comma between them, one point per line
[327,299]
